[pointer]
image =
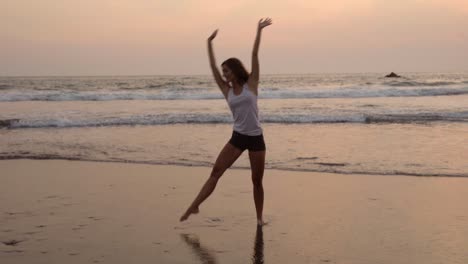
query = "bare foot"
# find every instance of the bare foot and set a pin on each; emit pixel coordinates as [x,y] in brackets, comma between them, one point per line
[188,213]
[261,222]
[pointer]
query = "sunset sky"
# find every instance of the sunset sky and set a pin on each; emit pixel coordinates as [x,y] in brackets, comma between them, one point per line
[143,37]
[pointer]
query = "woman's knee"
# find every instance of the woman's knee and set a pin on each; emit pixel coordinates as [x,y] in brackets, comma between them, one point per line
[257,181]
[217,172]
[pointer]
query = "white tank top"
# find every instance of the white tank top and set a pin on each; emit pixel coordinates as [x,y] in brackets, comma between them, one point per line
[244,111]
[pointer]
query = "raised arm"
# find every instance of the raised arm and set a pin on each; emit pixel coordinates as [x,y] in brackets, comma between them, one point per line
[217,76]
[255,74]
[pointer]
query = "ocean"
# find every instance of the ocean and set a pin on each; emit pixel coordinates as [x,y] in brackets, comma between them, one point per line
[365,123]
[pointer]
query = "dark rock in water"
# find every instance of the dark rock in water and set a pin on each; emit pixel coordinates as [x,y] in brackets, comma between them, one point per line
[7,122]
[392,75]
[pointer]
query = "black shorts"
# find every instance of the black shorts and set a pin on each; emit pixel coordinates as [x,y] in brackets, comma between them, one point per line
[243,142]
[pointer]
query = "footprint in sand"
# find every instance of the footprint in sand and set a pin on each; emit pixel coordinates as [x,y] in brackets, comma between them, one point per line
[12,242]
[25,213]
[31,233]
[13,251]
[214,219]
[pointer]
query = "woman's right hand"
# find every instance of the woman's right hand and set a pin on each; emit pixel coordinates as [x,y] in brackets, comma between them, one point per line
[213,35]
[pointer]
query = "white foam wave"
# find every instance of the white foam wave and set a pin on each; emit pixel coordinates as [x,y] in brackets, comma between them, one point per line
[214,118]
[208,94]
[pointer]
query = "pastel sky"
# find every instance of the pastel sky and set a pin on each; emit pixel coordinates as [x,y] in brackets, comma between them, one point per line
[151,37]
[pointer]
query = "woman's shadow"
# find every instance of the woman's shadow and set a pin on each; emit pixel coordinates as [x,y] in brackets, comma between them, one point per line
[207,257]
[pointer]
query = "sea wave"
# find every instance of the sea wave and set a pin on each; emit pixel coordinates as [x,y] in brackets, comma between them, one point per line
[409,83]
[213,118]
[418,118]
[184,93]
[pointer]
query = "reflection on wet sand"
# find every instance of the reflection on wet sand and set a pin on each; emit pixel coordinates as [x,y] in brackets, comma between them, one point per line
[257,257]
[206,256]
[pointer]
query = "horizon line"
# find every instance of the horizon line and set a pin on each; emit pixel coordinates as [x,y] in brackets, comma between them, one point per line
[209,74]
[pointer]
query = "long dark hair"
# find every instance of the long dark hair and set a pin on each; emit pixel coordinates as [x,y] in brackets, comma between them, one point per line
[238,69]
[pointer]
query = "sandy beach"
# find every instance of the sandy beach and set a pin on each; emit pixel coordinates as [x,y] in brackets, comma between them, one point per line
[88,212]
[113,115]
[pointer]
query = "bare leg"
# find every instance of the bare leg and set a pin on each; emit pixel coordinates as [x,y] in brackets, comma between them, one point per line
[225,159]
[257,164]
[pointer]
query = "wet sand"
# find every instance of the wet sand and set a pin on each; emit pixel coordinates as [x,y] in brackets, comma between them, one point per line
[88,212]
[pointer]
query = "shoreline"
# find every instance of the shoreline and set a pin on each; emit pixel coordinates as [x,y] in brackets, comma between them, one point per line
[404,174]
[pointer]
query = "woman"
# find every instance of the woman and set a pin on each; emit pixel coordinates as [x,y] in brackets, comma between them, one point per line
[240,89]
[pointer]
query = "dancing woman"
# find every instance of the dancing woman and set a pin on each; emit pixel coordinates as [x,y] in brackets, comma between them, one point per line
[240,89]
